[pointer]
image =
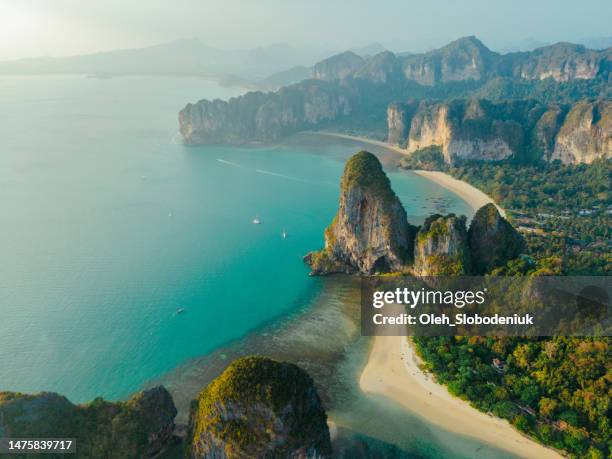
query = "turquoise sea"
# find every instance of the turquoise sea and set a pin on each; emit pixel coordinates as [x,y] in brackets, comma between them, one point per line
[108,225]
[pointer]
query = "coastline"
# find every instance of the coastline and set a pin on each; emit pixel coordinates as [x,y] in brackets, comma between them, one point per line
[474,197]
[470,194]
[392,370]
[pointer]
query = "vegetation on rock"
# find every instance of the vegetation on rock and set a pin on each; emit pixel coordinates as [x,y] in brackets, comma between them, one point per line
[492,240]
[259,408]
[140,427]
[370,233]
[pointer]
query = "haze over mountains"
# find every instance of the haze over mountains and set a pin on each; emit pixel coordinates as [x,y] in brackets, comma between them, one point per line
[267,68]
[352,93]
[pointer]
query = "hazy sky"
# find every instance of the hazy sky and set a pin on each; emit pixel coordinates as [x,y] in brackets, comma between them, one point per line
[62,27]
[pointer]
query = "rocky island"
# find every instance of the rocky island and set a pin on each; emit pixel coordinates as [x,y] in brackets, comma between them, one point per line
[142,426]
[259,408]
[371,234]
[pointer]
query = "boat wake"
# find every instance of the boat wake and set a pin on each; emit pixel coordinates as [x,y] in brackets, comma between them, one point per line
[229,163]
[288,177]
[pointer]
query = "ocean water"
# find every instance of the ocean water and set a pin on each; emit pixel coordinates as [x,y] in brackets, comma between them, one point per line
[108,225]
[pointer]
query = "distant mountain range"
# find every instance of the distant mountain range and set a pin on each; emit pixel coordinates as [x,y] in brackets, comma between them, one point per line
[181,57]
[270,67]
[266,67]
[351,92]
[469,59]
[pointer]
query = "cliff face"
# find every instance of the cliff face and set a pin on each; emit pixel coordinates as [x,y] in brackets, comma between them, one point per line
[468,59]
[562,62]
[263,117]
[492,240]
[586,133]
[349,85]
[399,117]
[339,66]
[259,408]
[470,130]
[370,233]
[527,130]
[141,427]
[441,247]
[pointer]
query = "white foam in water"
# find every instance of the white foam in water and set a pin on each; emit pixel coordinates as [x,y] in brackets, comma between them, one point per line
[229,163]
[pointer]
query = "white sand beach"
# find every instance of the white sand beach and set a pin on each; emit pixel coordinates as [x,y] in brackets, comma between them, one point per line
[470,194]
[393,371]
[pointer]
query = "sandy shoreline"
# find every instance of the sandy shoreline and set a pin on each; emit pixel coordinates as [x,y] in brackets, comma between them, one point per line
[474,197]
[392,371]
[470,194]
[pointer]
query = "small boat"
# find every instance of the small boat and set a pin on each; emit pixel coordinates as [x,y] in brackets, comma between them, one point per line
[284,234]
[169,214]
[180,310]
[256,221]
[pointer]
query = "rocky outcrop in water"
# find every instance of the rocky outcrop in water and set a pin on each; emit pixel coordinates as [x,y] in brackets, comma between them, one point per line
[263,117]
[492,240]
[259,408]
[483,130]
[370,233]
[140,427]
[441,247]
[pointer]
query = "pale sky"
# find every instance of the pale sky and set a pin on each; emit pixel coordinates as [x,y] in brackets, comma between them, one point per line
[30,28]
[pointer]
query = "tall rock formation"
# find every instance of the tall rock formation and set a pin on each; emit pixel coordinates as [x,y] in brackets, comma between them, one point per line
[263,117]
[140,427]
[586,133]
[370,233]
[399,117]
[469,129]
[526,130]
[348,90]
[259,408]
[441,247]
[492,240]
[561,62]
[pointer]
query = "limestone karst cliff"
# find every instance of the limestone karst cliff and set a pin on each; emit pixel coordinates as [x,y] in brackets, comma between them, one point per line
[371,235]
[525,130]
[585,134]
[489,230]
[263,117]
[370,232]
[140,427]
[349,91]
[441,247]
[259,408]
[468,59]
